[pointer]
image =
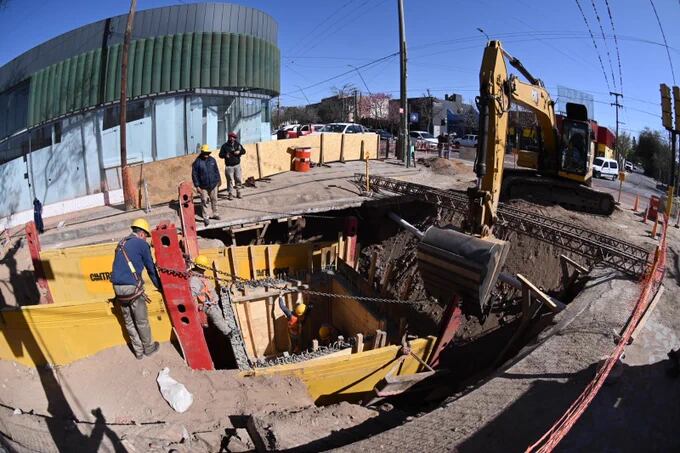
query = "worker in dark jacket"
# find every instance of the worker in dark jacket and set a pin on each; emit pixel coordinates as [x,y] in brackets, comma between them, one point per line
[206,179]
[231,152]
[37,215]
[133,254]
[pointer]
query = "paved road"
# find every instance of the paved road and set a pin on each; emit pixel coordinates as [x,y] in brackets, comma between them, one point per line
[635,184]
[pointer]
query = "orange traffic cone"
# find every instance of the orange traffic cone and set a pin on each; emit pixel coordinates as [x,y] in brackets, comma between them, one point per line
[637,201]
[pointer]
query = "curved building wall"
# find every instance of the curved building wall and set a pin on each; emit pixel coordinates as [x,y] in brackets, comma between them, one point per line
[195,72]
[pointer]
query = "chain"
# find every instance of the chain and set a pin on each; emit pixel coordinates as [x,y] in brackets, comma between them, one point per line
[302,356]
[278,284]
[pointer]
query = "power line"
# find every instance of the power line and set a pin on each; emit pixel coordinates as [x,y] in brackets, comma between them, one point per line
[606,47]
[592,37]
[319,24]
[616,44]
[658,21]
[386,57]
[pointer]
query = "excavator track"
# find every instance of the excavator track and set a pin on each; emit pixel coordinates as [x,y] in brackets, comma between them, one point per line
[571,195]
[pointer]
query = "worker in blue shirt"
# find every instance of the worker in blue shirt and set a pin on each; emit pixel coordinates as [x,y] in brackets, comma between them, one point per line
[133,254]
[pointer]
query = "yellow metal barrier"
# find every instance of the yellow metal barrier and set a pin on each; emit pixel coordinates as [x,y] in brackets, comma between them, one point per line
[59,334]
[350,377]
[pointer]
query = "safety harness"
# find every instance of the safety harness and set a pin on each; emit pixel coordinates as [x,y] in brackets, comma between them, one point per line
[139,287]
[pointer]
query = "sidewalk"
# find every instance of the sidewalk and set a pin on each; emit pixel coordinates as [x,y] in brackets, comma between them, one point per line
[287,194]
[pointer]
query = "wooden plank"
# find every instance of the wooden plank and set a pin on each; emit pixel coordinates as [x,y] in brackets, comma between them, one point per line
[251,263]
[246,308]
[576,265]
[259,161]
[359,347]
[270,323]
[342,148]
[540,295]
[371,269]
[269,261]
[648,313]
[321,157]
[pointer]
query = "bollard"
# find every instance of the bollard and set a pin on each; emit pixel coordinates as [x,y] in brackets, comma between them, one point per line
[644,217]
[655,227]
[637,201]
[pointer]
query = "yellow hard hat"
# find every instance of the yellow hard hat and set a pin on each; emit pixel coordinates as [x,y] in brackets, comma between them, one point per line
[202,261]
[300,309]
[324,332]
[205,148]
[142,224]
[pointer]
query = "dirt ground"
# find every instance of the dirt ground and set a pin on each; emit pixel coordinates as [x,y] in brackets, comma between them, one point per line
[125,392]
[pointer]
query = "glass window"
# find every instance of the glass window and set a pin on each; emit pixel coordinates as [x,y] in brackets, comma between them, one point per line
[41,137]
[135,111]
[574,147]
[413,134]
[614,165]
[599,162]
[606,165]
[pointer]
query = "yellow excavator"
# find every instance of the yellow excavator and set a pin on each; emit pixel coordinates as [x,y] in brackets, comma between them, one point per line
[465,266]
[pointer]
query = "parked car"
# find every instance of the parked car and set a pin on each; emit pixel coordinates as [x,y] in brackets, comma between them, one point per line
[309,129]
[628,166]
[466,140]
[422,135]
[605,168]
[384,135]
[344,128]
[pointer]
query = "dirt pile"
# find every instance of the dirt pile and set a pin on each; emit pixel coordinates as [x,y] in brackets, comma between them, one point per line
[306,429]
[442,166]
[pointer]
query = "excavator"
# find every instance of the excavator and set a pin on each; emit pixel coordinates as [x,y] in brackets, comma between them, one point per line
[463,266]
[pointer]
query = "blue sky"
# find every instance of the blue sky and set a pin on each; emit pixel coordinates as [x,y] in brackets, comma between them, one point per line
[320,39]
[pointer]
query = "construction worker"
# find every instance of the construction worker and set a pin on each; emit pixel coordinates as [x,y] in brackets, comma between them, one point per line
[295,320]
[132,255]
[206,178]
[327,334]
[203,290]
[231,152]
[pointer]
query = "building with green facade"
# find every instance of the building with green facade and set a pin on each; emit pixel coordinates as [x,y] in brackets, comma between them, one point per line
[195,72]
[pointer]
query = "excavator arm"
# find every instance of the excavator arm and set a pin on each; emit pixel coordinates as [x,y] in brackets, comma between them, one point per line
[498,91]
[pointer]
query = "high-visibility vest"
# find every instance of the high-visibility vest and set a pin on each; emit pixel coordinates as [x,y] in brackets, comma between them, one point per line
[294,326]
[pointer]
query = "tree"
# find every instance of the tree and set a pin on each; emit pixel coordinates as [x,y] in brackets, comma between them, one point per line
[654,153]
[625,145]
[375,105]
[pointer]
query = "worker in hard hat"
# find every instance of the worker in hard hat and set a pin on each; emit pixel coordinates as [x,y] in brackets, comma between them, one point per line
[327,334]
[206,178]
[231,152]
[295,320]
[132,256]
[203,290]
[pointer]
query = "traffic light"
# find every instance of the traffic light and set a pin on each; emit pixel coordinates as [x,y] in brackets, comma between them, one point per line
[676,103]
[666,110]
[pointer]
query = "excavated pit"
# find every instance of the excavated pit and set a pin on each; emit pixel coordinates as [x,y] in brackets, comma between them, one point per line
[479,344]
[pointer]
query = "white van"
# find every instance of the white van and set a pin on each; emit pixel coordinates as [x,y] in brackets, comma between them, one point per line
[605,168]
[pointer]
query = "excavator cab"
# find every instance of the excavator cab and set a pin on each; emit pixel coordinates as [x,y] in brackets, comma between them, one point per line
[576,155]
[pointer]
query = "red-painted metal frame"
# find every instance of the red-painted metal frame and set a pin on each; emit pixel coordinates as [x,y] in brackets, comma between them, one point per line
[351,226]
[40,277]
[181,306]
[188,218]
[450,324]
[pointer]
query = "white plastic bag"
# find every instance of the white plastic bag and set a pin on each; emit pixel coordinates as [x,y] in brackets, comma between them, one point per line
[175,393]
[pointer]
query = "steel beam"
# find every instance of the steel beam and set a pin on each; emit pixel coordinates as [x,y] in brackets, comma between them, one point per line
[181,306]
[453,316]
[38,269]
[188,218]
[591,244]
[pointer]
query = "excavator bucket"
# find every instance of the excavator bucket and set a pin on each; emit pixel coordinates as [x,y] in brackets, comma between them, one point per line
[453,263]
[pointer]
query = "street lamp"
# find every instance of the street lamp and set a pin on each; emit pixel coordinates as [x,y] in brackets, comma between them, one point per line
[484,33]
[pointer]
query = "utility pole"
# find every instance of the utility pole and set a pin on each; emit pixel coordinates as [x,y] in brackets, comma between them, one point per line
[128,190]
[616,104]
[356,106]
[403,111]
